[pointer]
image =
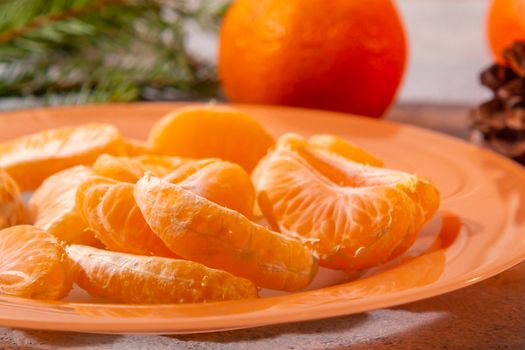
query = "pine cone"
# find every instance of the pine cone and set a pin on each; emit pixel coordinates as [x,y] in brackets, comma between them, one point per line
[500,122]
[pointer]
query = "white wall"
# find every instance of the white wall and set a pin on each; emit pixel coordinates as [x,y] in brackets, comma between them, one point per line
[448,48]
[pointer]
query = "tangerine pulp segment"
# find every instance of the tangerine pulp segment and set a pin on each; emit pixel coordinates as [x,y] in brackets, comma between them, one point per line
[136,147]
[109,209]
[200,230]
[221,182]
[353,216]
[131,169]
[33,264]
[343,148]
[12,208]
[153,280]
[53,206]
[33,158]
[211,131]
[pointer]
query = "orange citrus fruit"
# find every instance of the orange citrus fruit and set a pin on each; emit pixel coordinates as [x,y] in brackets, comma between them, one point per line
[53,206]
[31,159]
[505,25]
[109,209]
[12,208]
[224,183]
[344,55]
[136,147]
[119,168]
[32,264]
[343,148]
[132,169]
[221,182]
[351,215]
[153,280]
[211,131]
[200,230]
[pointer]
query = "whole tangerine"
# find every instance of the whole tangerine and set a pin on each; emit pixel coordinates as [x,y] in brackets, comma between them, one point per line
[343,55]
[505,24]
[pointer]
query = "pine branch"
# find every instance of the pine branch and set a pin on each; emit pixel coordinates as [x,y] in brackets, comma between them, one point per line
[103,50]
[43,20]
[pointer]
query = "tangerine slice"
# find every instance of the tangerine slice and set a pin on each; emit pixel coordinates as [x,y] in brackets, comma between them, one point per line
[153,280]
[200,230]
[162,165]
[32,264]
[53,206]
[211,131]
[224,183]
[132,169]
[136,148]
[344,148]
[351,215]
[108,207]
[31,159]
[12,209]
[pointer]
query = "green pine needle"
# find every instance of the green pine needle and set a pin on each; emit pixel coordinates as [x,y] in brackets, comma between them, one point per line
[84,51]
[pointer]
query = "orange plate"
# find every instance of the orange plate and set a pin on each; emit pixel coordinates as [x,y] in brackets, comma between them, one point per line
[476,234]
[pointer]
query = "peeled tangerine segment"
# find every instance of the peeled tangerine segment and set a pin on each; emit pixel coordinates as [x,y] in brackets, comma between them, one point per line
[344,148]
[33,158]
[353,216]
[131,169]
[53,206]
[136,147]
[211,131]
[222,182]
[200,230]
[12,209]
[32,264]
[109,209]
[153,280]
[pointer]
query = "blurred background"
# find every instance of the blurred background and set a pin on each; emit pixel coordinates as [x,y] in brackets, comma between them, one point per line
[447,42]
[448,49]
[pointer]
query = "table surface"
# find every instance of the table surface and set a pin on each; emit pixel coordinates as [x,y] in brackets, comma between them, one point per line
[489,315]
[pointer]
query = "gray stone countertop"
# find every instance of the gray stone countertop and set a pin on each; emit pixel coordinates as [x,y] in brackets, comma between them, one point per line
[488,315]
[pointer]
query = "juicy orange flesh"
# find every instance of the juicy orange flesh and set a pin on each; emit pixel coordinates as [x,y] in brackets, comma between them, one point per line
[200,230]
[325,195]
[352,215]
[131,169]
[341,147]
[12,208]
[153,280]
[31,159]
[337,223]
[53,206]
[136,147]
[224,183]
[211,131]
[32,264]
[108,207]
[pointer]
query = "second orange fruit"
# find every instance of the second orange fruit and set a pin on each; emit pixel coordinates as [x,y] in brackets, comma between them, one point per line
[505,24]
